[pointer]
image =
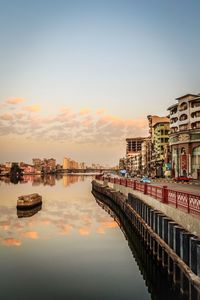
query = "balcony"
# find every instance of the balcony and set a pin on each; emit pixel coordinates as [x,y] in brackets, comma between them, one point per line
[183,127]
[195,106]
[183,106]
[196,125]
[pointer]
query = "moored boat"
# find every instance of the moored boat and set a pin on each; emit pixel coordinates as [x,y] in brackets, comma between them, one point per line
[28,211]
[30,200]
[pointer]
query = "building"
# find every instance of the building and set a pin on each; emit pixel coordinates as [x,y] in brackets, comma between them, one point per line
[133,155]
[159,135]
[145,153]
[68,163]
[185,136]
[160,142]
[122,163]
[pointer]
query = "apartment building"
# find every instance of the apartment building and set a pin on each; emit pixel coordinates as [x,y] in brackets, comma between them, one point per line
[185,136]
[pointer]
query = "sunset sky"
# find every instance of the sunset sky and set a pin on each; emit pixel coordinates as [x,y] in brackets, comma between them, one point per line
[78,77]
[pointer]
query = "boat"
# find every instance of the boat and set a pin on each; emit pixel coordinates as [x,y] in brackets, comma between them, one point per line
[27,201]
[28,212]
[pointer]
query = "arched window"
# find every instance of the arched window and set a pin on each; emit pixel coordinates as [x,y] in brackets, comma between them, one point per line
[183,106]
[183,117]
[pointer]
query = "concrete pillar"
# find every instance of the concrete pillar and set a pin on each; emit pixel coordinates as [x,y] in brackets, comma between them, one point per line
[155,247]
[159,253]
[184,246]
[184,283]
[193,242]
[170,265]
[155,221]
[176,273]
[198,260]
[171,225]
[164,258]
[160,217]
[165,222]
[176,237]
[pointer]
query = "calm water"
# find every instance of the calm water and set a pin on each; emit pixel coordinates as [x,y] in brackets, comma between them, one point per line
[71,248]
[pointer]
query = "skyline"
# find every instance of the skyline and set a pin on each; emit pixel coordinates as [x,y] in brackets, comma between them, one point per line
[79,77]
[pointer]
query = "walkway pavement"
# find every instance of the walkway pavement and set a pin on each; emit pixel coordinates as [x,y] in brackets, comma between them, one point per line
[187,187]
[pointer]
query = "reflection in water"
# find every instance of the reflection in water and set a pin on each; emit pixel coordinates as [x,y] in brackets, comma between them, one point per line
[49,180]
[26,213]
[159,283]
[71,249]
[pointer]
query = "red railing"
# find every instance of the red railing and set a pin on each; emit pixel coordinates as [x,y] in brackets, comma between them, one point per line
[189,202]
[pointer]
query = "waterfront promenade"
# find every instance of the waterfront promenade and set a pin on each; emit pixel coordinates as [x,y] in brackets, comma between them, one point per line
[170,242]
[182,206]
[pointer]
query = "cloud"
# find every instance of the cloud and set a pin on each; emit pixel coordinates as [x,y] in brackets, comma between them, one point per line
[6,117]
[84,231]
[32,108]
[106,225]
[15,100]
[31,235]
[10,242]
[85,127]
[85,111]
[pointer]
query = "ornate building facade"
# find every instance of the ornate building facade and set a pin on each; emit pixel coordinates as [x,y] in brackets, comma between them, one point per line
[184,138]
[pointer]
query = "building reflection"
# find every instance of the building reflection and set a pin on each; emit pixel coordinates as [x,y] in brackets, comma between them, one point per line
[70,179]
[26,213]
[49,180]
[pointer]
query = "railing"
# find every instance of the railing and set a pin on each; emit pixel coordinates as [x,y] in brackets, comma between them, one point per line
[188,202]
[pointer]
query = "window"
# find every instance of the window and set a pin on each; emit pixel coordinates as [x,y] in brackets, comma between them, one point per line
[183,117]
[183,106]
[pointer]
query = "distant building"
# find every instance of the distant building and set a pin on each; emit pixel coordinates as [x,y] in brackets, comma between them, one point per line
[185,136]
[133,155]
[122,163]
[68,163]
[145,153]
[158,127]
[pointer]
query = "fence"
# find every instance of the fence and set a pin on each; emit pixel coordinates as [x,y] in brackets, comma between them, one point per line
[189,202]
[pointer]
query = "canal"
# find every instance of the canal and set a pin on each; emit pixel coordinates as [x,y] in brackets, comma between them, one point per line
[73,247]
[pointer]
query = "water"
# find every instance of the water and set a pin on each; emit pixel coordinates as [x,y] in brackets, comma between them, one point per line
[70,248]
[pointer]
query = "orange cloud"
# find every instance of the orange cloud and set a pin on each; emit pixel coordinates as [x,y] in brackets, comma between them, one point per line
[15,100]
[85,111]
[32,108]
[84,231]
[7,117]
[10,242]
[31,235]
[105,225]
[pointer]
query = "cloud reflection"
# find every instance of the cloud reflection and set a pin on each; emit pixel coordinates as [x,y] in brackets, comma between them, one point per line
[10,242]
[74,214]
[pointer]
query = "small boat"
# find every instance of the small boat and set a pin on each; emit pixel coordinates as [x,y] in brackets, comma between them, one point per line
[27,201]
[28,212]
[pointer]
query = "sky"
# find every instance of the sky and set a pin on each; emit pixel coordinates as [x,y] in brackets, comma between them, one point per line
[79,77]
